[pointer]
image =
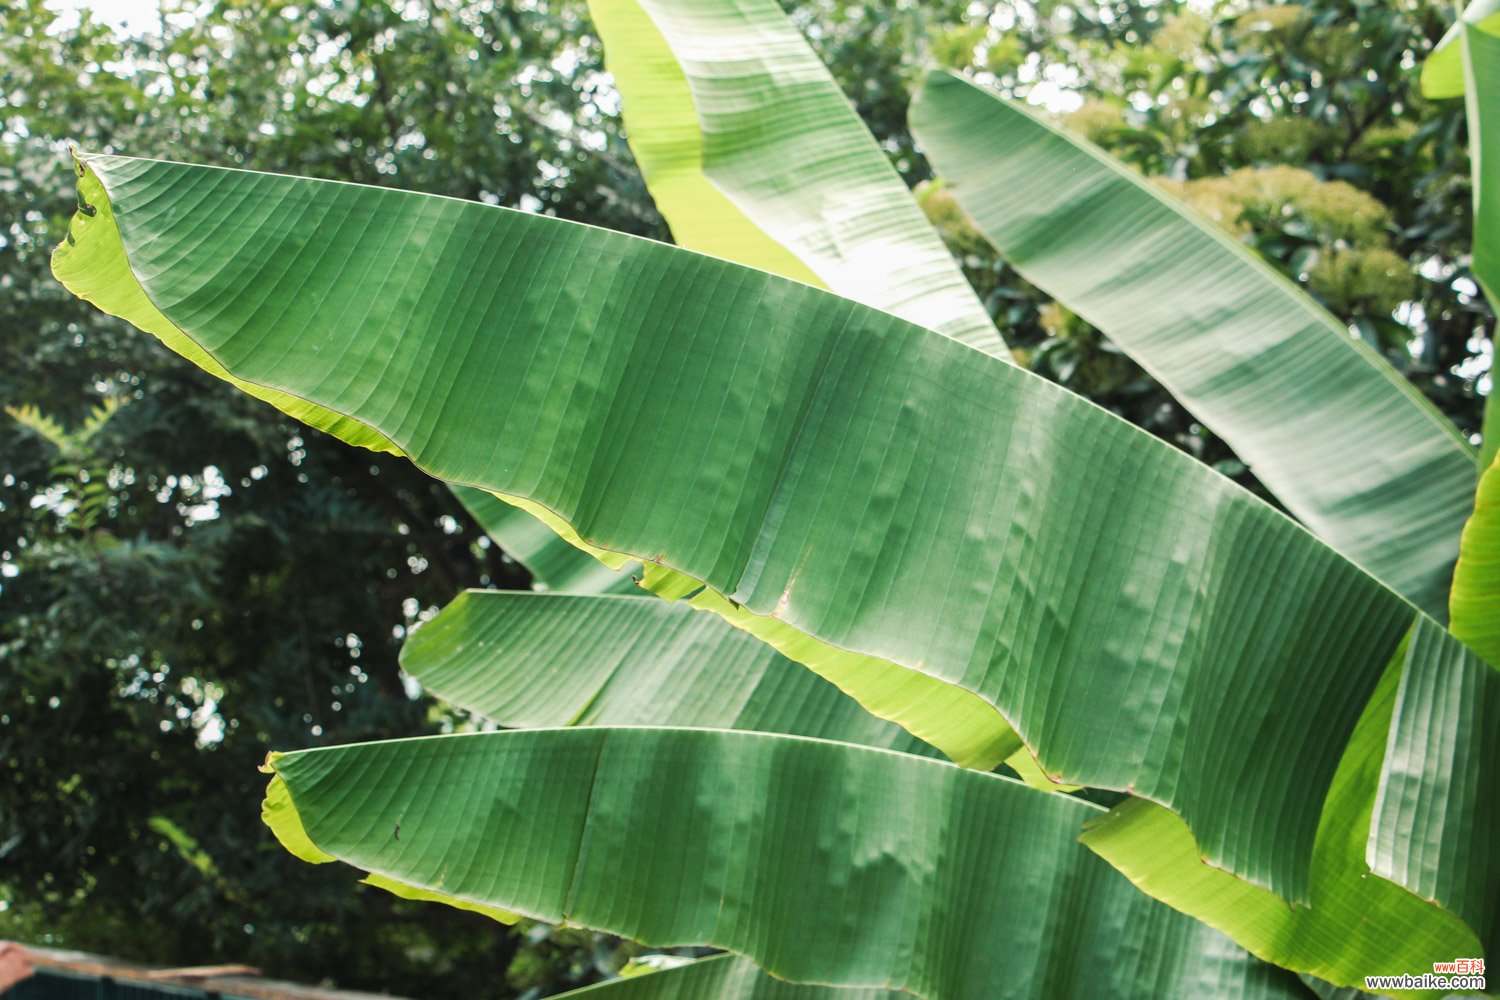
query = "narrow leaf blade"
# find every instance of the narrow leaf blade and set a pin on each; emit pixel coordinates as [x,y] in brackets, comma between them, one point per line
[736,122]
[1351,448]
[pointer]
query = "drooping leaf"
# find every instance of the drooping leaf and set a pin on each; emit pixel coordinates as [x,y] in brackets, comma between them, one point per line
[1347,444]
[542,660]
[551,560]
[953,541]
[749,146]
[822,862]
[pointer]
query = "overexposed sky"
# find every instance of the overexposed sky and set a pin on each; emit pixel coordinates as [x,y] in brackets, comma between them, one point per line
[136,17]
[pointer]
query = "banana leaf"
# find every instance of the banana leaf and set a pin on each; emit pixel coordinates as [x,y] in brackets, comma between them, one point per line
[818,183]
[1347,444]
[753,154]
[821,862]
[1436,827]
[1474,605]
[542,660]
[1444,73]
[1467,63]
[1352,925]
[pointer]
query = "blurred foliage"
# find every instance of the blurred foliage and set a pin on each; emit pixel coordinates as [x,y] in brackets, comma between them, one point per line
[188,578]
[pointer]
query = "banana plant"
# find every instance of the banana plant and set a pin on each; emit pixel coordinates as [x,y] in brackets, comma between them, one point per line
[997,566]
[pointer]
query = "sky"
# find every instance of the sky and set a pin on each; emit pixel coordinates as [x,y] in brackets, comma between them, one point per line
[137,17]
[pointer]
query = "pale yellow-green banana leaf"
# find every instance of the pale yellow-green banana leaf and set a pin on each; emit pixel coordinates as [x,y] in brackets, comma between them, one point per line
[1443,72]
[1474,606]
[754,154]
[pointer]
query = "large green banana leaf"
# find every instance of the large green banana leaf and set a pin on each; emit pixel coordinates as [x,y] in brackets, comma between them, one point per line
[541,660]
[1351,448]
[1444,751]
[822,862]
[926,519]
[753,154]
[553,562]
[1467,62]
[1427,746]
